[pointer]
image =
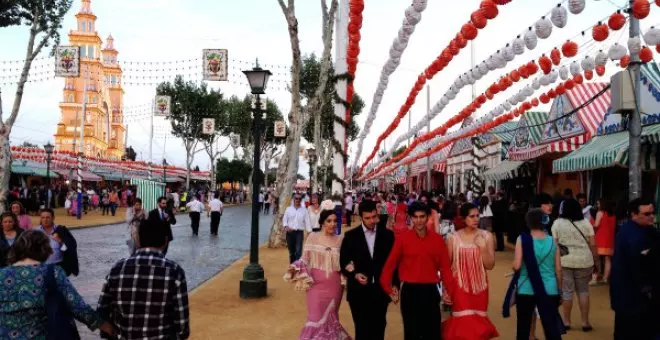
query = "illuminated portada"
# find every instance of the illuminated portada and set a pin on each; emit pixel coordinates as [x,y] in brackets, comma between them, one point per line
[104,126]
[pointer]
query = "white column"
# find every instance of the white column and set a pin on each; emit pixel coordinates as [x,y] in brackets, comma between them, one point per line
[341,41]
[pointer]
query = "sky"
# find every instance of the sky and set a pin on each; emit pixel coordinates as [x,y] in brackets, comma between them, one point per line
[149,34]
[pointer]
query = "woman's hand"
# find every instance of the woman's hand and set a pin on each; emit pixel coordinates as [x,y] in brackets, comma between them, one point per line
[107,328]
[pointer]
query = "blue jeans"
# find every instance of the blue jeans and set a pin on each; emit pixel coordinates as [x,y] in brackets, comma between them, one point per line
[294,241]
[113,208]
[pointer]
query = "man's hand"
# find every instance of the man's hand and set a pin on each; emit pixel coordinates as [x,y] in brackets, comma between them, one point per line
[445,296]
[395,295]
[57,238]
[288,229]
[362,279]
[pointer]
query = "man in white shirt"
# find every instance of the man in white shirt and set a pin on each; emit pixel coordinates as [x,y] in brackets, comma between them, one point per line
[195,207]
[348,205]
[296,221]
[261,200]
[215,210]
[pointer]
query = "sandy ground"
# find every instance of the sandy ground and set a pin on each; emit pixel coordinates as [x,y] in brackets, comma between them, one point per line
[217,312]
[92,218]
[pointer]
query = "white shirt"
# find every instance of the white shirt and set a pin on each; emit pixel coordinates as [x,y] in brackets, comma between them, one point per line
[349,203]
[216,205]
[195,206]
[261,198]
[370,235]
[297,219]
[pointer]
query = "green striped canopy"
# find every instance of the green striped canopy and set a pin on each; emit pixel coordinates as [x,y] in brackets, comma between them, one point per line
[607,151]
[535,122]
[148,191]
[21,170]
[43,173]
[504,132]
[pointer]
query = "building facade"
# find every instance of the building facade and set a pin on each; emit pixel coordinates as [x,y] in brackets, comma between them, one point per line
[99,84]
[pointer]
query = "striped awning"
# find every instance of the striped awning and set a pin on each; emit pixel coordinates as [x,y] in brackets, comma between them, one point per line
[418,169]
[504,132]
[41,172]
[148,191]
[87,176]
[21,170]
[440,167]
[401,180]
[505,170]
[525,143]
[604,151]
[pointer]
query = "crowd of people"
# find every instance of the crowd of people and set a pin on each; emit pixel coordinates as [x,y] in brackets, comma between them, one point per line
[144,296]
[429,252]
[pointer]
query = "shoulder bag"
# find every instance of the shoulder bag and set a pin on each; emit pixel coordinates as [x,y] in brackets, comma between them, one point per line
[60,324]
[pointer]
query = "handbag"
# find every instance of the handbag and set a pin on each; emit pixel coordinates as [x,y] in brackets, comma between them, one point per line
[60,324]
[563,250]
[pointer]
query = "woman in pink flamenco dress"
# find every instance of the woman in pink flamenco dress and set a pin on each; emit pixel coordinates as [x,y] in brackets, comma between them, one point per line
[401,216]
[318,273]
[472,252]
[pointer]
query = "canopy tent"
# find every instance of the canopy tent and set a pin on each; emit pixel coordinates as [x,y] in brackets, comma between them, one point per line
[609,150]
[507,170]
[87,176]
[526,138]
[563,132]
[41,172]
[20,169]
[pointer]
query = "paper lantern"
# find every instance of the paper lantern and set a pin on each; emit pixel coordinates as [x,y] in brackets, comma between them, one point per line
[634,45]
[575,68]
[552,94]
[412,16]
[616,51]
[555,56]
[478,19]
[545,63]
[588,63]
[489,94]
[559,16]
[569,84]
[489,8]
[502,2]
[543,28]
[563,72]
[657,2]
[616,21]
[641,8]
[530,39]
[461,42]
[623,62]
[532,68]
[578,79]
[600,70]
[588,74]
[569,49]
[508,53]
[601,58]
[576,6]
[453,48]
[652,36]
[536,84]
[657,47]
[469,31]
[645,54]
[419,5]
[544,98]
[600,32]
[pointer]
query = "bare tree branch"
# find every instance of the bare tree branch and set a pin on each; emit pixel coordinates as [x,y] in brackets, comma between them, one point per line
[283,6]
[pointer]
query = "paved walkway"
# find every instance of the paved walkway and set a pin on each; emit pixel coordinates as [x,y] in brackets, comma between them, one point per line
[91,219]
[217,312]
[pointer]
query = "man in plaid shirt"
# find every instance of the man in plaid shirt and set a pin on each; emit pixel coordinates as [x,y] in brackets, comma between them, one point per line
[145,296]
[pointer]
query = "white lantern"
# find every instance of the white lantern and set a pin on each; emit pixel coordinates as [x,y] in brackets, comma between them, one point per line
[543,28]
[469,78]
[506,106]
[563,72]
[530,39]
[588,63]
[413,16]
[483,68]
[475,73]
[576,6]
[652,36]
[559,16]
[518,45]
[575,68]
[508,53]
[616,52]
[536,84]
[601,58]
[458,82]
[407,27]
[419,5]
[445,100]
[554,75]
[634,45]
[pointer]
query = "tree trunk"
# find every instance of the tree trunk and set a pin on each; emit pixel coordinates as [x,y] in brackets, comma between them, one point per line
[5,165]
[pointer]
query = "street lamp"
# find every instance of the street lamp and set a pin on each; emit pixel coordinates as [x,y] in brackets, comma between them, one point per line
[311,158]
[254,284]
[49,152]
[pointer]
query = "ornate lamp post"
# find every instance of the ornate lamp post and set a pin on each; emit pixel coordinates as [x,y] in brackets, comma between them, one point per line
[49,153]
[311,158]
[164,177]
[254,284]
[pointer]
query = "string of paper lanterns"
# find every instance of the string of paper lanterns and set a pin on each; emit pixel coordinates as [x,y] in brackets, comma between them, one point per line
[487,9]
[352,53]
[529,40]
[396,51]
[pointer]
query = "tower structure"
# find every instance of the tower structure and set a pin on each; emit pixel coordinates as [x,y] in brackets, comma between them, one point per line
[103,133]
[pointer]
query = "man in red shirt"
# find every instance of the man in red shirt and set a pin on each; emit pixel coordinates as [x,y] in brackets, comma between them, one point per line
[419,255]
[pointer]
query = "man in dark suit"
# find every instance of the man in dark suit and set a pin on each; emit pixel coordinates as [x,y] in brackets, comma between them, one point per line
[363,254]
[166,218]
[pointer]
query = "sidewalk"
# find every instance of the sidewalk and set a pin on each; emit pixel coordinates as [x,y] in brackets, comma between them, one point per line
[91,219]
[217,312]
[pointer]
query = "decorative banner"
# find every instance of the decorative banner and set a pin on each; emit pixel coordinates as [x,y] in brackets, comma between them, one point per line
[163,106]
[67,61]
[234,140]
[215,64]
[280,129]
[208,126]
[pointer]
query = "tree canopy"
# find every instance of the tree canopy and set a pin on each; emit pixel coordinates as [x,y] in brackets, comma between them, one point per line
[239,120]
[309,81]
[45,16]
[235,170]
